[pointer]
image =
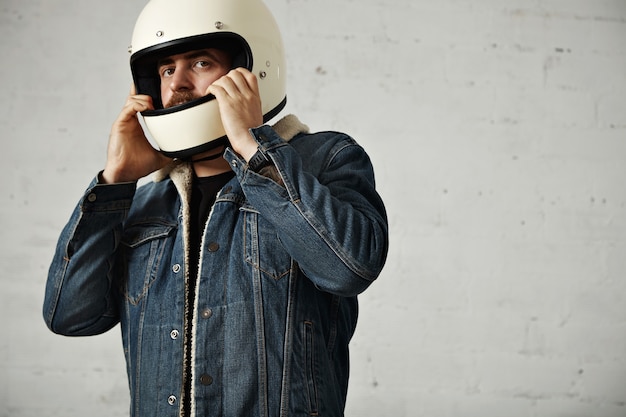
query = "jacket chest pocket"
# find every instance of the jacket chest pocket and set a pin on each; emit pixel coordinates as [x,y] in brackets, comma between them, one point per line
[143,248]
[263,249]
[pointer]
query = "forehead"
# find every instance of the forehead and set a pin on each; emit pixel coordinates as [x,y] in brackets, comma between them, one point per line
[214,54]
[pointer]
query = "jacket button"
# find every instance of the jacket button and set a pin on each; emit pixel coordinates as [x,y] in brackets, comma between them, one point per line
[176,268]
[171,400]
[206,313]
[206,380]
[214,246]
[92,197]
[174,334]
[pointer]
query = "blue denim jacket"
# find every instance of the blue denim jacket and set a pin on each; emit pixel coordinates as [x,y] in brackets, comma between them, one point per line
[280,269]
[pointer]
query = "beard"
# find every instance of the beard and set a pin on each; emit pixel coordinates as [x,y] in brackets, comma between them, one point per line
[180,97]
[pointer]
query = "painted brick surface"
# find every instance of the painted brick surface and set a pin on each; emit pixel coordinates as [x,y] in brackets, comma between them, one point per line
[498,133]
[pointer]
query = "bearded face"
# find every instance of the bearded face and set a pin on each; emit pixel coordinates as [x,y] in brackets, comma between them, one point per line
[187,76]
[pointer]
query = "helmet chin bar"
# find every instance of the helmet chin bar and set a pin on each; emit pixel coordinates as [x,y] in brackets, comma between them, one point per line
[186,154]
[206,145]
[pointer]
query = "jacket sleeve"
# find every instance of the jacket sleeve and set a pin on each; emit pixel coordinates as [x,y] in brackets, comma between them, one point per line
[79,297]
[327,212]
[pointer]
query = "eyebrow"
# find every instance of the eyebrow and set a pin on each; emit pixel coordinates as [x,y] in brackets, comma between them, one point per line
[190,55]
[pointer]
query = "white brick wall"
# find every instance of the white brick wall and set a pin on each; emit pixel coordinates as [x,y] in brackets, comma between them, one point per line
[498,132]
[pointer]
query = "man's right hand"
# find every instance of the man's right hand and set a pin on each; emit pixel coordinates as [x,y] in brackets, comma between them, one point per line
[129,155]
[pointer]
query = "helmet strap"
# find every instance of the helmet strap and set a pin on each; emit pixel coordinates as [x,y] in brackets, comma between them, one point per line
[207,158]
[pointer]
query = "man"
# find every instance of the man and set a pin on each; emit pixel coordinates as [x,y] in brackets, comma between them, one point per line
[235,274]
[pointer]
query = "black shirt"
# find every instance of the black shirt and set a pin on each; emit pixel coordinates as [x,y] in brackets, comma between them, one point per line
[204,191]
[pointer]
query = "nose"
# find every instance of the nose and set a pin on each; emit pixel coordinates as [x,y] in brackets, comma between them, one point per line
[181,80]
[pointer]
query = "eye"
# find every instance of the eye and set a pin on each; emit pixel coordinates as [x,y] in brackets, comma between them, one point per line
[166,72]
[202,64]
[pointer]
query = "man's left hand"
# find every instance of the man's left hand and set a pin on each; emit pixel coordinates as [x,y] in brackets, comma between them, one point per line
[239,101]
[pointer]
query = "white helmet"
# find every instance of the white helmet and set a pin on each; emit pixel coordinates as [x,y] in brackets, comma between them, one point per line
[244,28]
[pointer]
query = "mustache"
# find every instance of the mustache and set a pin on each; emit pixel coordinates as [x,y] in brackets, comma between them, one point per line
[180,97]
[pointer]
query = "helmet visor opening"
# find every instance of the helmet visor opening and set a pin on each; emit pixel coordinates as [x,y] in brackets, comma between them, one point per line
[144,63]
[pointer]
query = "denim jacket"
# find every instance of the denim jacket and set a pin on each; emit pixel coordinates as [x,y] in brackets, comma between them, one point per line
[276,298]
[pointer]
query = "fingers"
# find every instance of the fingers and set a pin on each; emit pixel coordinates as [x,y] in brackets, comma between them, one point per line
[238,82]
[240,108]
[238,96]
[130,155]
[134,104]
[144,100]
[245,80]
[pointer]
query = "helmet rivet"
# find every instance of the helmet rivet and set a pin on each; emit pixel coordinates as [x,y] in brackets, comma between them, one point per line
[268,64]
[219,25]
[262,74]
[160,33]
